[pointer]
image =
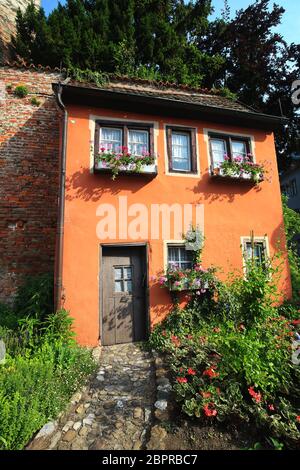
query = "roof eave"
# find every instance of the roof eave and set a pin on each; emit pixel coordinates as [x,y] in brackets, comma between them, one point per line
[106,98]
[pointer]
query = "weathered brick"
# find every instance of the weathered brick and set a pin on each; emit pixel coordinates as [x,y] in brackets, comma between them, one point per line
[29,171]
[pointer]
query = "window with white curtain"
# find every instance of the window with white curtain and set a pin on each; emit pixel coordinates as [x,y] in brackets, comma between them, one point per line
[181,151]
[219,151]
[239,149]
[111,138]
[138,141]
[179,257]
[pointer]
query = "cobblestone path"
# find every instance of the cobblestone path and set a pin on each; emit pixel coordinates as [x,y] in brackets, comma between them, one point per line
[115,411]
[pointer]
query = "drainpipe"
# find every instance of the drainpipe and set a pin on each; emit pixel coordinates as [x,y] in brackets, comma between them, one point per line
[61,204]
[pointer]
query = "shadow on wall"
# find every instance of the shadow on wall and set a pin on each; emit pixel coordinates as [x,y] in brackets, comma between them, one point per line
[29,163]
[212,190]
[91,187]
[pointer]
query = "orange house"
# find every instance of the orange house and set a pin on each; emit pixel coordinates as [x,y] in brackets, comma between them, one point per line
[115,235]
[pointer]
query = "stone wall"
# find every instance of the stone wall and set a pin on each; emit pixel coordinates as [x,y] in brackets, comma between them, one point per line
[8,10]
[29,155]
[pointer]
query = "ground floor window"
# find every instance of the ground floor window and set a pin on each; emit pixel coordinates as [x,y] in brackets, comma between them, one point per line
[255,250]
[179,257]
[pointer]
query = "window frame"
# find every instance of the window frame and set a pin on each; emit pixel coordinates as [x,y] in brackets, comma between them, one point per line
[125,126]
[179,246]
[257,240]
[228,139]
[191,132]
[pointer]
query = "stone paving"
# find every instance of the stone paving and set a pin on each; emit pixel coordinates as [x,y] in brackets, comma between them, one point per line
[115,411]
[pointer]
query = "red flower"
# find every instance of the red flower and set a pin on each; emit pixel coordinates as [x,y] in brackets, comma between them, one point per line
[298,419]
[255,395]
[271,407]
[175,340]
[218,390]
[209,410]
[242,327]
[182,380]
[203,339]
[191,371]
[211,373]
[164,333]
[217,330]
[189,337]
[206,394]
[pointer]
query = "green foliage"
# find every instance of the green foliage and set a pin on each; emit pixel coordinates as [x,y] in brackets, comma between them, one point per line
[292,228]
[21,91]
[87,75]
[230,356]
[35,297]
[43,365]
[34,101]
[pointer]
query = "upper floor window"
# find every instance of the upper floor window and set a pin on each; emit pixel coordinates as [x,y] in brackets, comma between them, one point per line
[225,147]
[179,257]
[181,144]
[137,137]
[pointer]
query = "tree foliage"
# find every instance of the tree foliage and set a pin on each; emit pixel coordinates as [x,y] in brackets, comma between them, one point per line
[173,40]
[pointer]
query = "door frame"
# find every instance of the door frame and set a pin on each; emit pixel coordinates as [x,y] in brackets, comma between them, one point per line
[144,245]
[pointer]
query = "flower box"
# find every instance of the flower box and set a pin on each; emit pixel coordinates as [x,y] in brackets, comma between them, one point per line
[228,174]
[186,285]
[102,167]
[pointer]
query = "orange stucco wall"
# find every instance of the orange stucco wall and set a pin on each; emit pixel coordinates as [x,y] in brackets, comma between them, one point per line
[231,211]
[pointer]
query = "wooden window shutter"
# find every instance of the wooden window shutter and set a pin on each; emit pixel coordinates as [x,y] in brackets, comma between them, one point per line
[151,140]
[97,140]
[169,147]
[125,136]
[193,151]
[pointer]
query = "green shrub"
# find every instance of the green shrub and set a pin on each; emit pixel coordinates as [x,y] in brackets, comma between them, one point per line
[21,91]
[230,357]
[43,368]
[35,297]
[34,101]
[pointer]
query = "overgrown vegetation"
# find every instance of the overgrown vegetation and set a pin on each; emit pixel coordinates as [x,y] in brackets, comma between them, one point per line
[231,355]
[43,366]
[292,228]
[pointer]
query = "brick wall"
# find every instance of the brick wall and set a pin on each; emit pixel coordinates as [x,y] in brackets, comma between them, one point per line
[8,10]
[29,153]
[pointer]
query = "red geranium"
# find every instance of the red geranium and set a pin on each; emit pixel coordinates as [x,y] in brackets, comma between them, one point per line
[217,330]
[191,371]
[182,380]
[298,419]
[211,372]
[175,340]
[255,395]
[271,407]
[206,394]
[209,410]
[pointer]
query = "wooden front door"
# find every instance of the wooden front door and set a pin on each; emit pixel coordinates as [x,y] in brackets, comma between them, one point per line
[123,294]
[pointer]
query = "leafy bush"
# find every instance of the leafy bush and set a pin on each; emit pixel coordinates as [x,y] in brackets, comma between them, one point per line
[21,91]
[43,368]
[292,228]
[35,297]
[230,356]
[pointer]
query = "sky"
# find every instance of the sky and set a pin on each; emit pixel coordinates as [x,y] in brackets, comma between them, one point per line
[290,23]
